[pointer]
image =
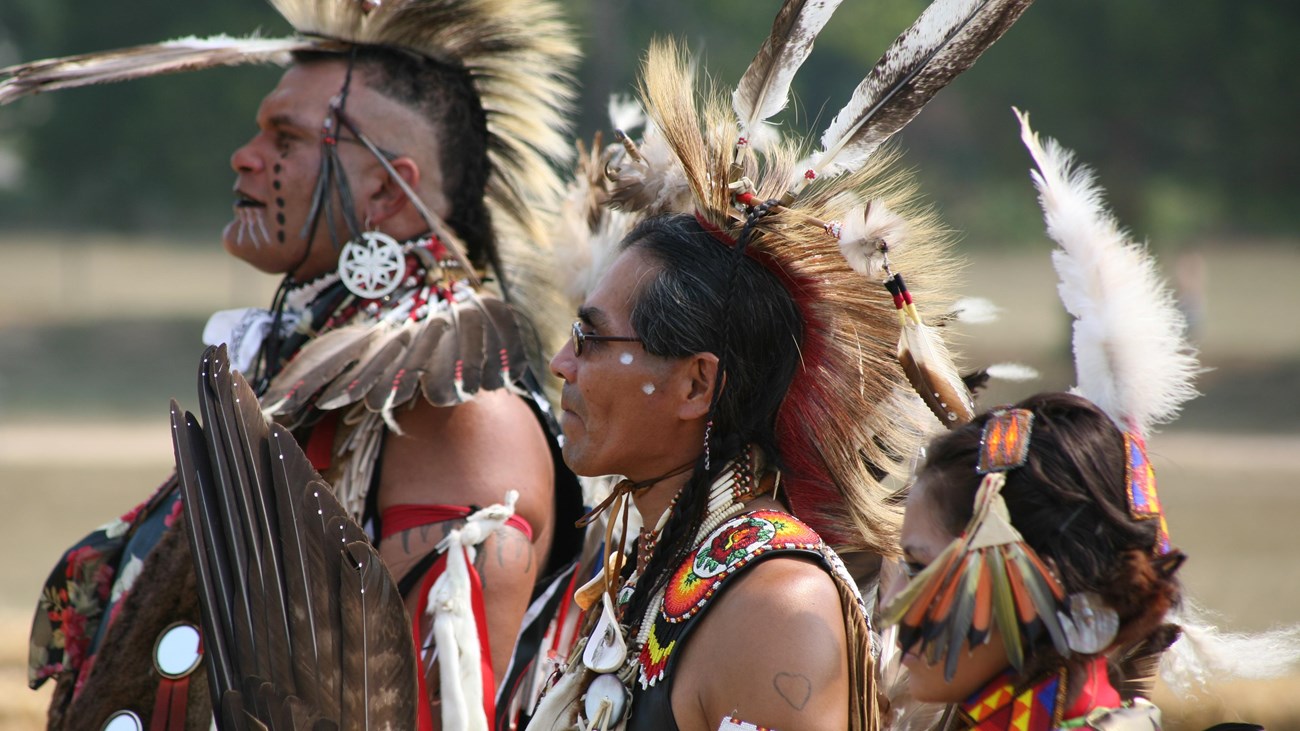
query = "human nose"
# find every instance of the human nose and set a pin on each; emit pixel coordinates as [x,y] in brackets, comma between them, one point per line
[563,362]
[245,159]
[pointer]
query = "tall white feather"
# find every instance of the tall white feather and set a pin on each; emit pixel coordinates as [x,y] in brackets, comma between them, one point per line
[945,41]
[1131,356]
[764,90]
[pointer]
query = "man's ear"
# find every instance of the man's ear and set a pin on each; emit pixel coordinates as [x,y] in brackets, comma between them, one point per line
[701,372]
[388,198]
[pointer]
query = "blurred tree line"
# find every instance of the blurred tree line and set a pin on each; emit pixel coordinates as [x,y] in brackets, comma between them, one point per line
[1186,110]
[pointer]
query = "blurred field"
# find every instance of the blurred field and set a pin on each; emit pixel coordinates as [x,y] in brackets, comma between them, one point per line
[1229,471]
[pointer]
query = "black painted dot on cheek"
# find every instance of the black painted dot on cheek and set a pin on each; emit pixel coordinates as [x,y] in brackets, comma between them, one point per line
[275,184]
[276,169]
[279,218]
[280,235]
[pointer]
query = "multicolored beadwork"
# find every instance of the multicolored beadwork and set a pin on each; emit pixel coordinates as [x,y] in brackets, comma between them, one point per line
[729,548]
[1004,445]
[1143,502]
[1002,705]
[654,658]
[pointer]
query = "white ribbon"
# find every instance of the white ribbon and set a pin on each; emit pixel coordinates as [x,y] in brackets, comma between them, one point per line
[453,629]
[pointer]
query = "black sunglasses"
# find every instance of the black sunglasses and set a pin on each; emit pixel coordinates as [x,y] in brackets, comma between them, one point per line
[580,337]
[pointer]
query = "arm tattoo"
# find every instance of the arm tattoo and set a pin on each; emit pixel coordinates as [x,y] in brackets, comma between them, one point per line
[795,689]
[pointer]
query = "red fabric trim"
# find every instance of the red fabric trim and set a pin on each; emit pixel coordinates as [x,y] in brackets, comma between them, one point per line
[170,705]
[484,645]
[425,711]
[320,445]
[405,516]
[721,236]
[1097,692]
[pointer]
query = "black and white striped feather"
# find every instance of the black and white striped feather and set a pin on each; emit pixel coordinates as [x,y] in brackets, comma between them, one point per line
[764,90]
[945,41]
[182,54]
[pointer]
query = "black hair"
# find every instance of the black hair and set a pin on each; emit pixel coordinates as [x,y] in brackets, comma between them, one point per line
[1070,502]
[705,298]
[442,92]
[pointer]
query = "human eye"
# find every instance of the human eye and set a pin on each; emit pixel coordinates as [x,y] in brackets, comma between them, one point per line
[912,568]
[284,141]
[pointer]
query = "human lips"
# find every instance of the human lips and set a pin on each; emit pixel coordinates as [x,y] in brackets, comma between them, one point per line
[567,405]
[244,200]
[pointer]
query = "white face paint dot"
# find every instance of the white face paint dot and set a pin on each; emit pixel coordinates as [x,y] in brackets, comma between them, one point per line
[648,388]
[625,359]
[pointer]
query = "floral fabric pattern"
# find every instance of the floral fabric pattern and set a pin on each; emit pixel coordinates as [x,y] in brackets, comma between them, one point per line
[87,583]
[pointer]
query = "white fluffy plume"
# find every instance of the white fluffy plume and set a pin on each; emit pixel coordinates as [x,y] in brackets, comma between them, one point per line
[1012,372]
[975,311]
[625,113]
[1129,347]
[1203,653]
[868,235]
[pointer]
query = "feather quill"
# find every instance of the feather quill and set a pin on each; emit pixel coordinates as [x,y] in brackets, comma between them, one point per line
[183,54]
[315,366]
[1131,356]
[929,367]
[764,90]
[353,384]
[213,585]
[943,42]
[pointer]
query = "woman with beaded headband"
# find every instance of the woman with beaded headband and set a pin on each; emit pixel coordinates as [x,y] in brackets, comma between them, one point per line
[1044,591]
[733,369]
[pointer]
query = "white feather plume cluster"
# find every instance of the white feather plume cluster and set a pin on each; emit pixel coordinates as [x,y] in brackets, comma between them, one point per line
[588,251]
[1017,372]
[625,113]
[1130,353]
[654,184]
[1203,653]
[868,235]
[975,311]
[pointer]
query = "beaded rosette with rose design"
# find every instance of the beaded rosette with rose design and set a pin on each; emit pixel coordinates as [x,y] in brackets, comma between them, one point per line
[721,555]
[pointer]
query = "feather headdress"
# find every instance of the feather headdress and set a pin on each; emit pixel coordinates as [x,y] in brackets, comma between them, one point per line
[1134,364]
[837,430]
[1133,361]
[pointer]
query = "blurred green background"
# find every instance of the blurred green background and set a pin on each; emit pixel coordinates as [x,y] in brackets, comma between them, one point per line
[1188,109]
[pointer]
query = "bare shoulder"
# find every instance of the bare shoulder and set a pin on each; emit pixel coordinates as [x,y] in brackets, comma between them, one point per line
[771,651]
[470,454]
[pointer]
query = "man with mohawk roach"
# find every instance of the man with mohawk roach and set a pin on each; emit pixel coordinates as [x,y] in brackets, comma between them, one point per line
[396,168]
